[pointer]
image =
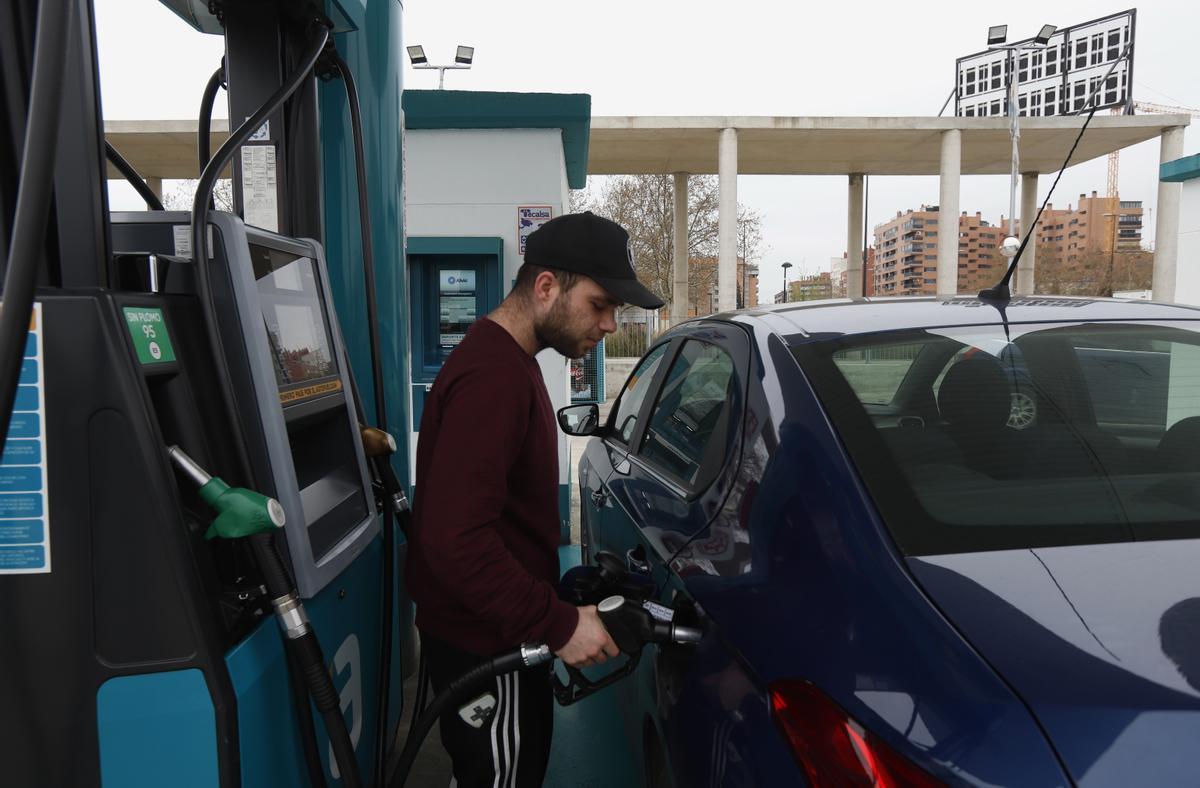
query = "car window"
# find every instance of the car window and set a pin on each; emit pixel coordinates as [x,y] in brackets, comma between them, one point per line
[689,430]
[1038,435]
[875,372]
[629,402]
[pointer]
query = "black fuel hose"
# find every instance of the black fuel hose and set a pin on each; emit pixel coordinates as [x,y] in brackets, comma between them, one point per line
[208,180]
[458,690]
[305,649]
[304,720]
[204,127]
[32,211]
[385,474]
[133,176]
[300,638]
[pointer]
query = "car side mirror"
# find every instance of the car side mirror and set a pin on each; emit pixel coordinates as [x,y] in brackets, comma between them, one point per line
[580,419]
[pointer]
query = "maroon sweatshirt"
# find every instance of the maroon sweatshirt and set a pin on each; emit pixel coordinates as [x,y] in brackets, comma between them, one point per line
[483,553]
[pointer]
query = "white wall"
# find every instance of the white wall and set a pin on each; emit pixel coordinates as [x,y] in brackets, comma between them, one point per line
[1187,270]
[469,183]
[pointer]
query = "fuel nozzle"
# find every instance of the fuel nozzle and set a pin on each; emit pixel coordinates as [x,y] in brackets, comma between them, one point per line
[632,625]
[240,512]
[376,442]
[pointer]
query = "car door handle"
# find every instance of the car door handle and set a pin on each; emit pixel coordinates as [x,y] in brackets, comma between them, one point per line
[599,497]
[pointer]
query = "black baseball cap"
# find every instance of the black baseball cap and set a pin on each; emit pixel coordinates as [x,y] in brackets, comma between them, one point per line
[599,248]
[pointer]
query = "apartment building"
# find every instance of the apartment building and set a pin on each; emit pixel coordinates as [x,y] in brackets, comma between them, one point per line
[1087,228]
[906,253]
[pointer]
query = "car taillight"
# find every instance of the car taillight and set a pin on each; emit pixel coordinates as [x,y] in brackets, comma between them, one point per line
[832,748]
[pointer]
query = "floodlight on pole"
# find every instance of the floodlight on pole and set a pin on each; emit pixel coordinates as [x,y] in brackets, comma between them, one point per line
[997,35]
[785,267]
[1043,36]
[464,56]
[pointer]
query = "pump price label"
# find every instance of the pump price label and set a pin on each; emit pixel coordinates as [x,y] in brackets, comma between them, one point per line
[24,499]
[150,336]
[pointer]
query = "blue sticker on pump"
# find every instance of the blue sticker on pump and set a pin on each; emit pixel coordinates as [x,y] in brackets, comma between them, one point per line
[26,557]
[24,468]
[24,425]
[21,505]
[22,453]
[21,531]
[27,398]
[20,479]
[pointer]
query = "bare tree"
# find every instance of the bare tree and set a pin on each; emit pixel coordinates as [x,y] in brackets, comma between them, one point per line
[645,206]
[181,196]
[1095,273]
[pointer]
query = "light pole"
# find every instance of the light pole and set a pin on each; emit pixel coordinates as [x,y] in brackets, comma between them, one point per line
[785,267]
[463,58]
[997,35]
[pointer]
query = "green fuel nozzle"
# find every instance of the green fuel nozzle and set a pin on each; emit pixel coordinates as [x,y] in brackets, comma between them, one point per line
[240,512]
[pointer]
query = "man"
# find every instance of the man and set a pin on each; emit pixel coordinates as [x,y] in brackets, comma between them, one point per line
[483,557]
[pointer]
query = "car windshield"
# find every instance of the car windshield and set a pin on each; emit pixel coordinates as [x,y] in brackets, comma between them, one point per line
[977,438]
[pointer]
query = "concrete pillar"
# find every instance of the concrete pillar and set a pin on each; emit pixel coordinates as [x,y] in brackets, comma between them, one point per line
[854,234]
[1166,223]
[1025,266]
[727,221]
[679,267]
[947,257]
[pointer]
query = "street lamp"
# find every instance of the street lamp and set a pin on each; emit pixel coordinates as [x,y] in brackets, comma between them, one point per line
[463,57]
[785,267]
[997,35]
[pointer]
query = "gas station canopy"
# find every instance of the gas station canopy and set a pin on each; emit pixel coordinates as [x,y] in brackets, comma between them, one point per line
[166,149]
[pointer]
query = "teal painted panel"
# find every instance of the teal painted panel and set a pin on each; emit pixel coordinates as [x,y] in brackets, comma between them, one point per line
[470,109]
[157,729]
[564,510]
[1184,169]
[430,244]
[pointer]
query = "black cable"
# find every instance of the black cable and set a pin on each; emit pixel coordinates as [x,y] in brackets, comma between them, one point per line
[204,188]
[133,176]
[368,257]
[33,196]
[204,128]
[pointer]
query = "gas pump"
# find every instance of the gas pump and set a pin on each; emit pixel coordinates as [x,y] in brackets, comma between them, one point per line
[192,557]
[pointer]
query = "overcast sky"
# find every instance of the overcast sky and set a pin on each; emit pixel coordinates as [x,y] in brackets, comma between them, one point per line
[753,57]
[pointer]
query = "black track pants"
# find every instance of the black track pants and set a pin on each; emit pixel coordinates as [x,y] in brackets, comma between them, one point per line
[500,738]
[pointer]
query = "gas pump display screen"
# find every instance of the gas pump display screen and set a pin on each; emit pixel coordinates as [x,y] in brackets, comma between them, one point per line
[298,333]
[456,306]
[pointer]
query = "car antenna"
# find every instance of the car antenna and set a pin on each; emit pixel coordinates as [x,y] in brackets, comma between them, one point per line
[1001,291]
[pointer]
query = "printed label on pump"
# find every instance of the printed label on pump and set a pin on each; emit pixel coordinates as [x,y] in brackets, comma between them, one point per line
[150,336]
[24,499]
[259,197]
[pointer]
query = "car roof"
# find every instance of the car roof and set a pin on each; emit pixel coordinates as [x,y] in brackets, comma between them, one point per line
[843,316]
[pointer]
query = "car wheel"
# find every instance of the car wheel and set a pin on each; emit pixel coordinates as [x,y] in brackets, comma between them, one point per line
[1023,412]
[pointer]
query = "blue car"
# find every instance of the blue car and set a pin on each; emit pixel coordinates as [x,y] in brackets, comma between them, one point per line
[930,542]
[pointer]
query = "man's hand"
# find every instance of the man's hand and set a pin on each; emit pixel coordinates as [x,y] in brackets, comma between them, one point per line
[590,644]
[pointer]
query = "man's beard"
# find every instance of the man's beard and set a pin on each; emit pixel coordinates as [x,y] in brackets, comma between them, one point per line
[554,330]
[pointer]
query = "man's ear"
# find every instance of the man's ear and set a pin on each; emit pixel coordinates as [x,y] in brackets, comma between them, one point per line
[545,285]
